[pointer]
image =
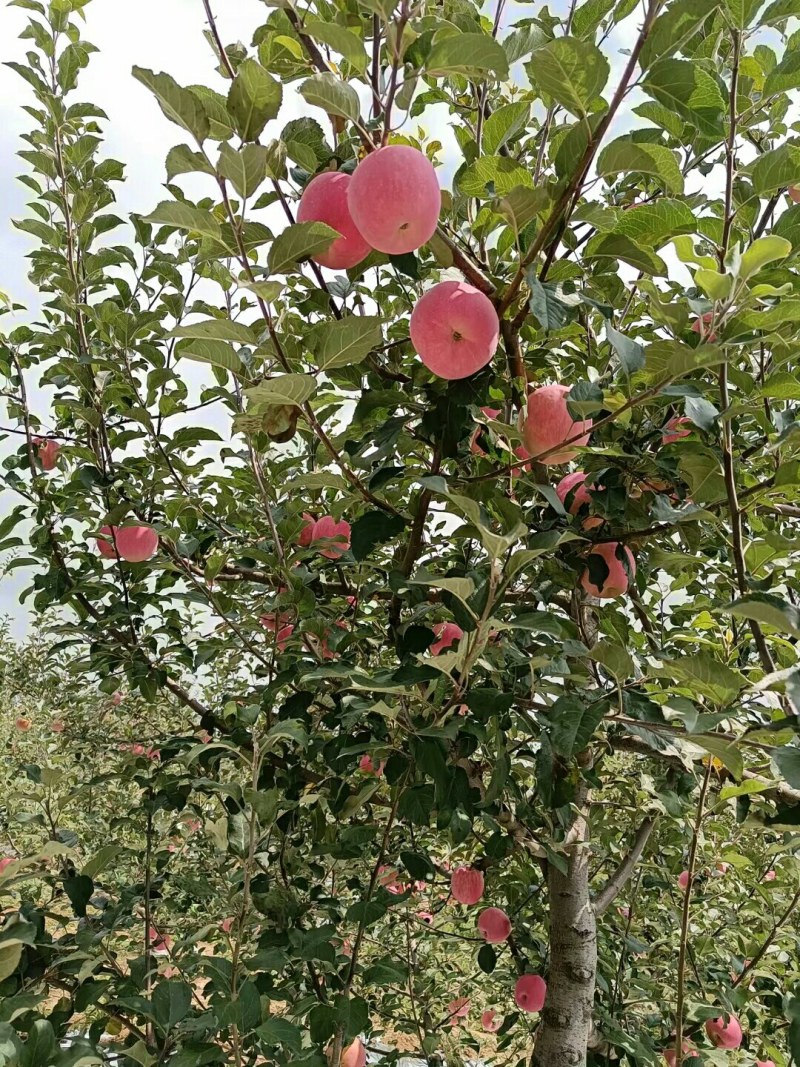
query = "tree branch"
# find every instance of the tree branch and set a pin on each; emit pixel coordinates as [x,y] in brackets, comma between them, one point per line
[621,876]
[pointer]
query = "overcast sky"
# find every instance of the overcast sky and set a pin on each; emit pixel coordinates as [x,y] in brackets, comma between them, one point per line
[160,35]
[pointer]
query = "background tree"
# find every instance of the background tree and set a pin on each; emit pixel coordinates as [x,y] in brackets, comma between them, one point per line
[373,632]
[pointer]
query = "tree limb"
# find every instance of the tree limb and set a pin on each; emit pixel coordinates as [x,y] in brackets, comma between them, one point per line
[619,879]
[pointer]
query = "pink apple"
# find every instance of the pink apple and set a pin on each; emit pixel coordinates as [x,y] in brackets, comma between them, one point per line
[388,878]
[615,582]
[683,880]
[494,925]
[274,621]
[116,698]
[675,429]
[466,885]
[458,1009]
[425,917]
[491,1021]
[227,925]
[135,544]
[724,1035]
[770,876]
[394,199]
[5,862]
[794,193]
[548,424]
[455,330]
[530,992]
[670,1056]
[474,447]
[367,765]
[765,1063]
[324,199]
[334,535]
[573,487]
[699,326]
[355,1055]
[159,943]
[447,634]
[47,449]
[23,724]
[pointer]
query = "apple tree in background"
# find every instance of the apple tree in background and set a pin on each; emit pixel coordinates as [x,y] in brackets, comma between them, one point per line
[457,600]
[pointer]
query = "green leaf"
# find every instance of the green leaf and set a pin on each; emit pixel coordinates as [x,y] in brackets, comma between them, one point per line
[776,169]
[679,22]
[467,53]
[629,352]
[716,286]
[762,251]
[79,889]
[491,176]
[503,124]
[617,246]
[785,77]
[346,341]
[217,353]
[625,156]
[572,724]
[41,1047]
[669,360]
[253,99]
[284,389]
[571,71]
[216,329]
[772,610]
[545,303]
[10,955]
[725,751]
[372,529]
[182,160]
[654,224]
[171,1003]
[245,168]
[333,95]
[341,40]
[706,676]
[185,217]
[787,760]
[178,104]
[297,242]
[614,658]
[279,1031]
[687,88]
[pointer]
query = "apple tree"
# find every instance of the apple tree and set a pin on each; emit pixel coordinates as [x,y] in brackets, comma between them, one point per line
[433,500]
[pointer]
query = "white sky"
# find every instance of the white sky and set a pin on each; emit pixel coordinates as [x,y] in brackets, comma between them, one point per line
[160,35]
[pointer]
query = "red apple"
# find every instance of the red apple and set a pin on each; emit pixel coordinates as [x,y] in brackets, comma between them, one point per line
[455,330]
[724,1035]
[324,199]
[683,880]
[394,199]
[335,535]
[466,885]
[47,449]
[573,486]
[670,1056]
[530,992]
[699,326]
[458,1009]
[355,1055]
[615,582]
[491,1021]
[23,724]
[135,544]
[159,943]
[494,925]
[367,765]
[5,862]
[674,430]
[447,634]
[548,424]
[770,876]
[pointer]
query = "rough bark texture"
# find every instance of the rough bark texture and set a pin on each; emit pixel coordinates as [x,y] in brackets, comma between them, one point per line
[563,1034]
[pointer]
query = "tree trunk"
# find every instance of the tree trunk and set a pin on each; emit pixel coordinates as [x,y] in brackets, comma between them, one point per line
[563,1034]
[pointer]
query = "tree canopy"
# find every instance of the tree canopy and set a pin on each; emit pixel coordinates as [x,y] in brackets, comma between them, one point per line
[322,626]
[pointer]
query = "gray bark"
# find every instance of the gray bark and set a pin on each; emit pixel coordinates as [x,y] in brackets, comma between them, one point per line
[563,1034]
